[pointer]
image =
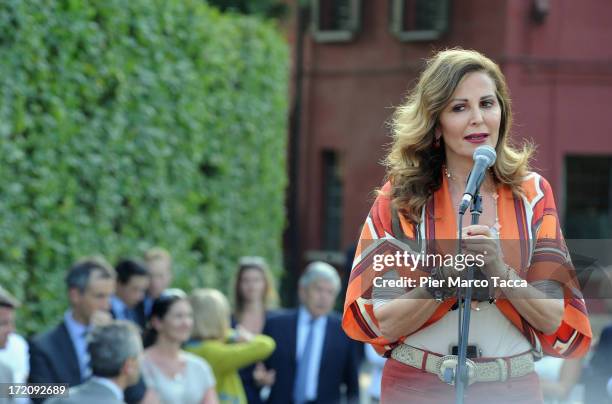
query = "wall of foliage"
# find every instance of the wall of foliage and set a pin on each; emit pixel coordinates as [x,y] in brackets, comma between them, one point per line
[128,124]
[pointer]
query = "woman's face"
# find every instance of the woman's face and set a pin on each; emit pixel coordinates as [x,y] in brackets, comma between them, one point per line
[252,285]
[177,323]
[472,117]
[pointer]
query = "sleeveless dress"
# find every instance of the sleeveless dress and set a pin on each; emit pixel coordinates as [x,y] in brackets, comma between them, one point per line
[187,387]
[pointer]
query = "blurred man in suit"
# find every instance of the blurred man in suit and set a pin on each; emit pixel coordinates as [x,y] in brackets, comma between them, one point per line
[115,350]
[132,283]
[60,355]
[313,356]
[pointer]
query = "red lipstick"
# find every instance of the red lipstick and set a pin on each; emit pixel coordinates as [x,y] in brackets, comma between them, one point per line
[476,138]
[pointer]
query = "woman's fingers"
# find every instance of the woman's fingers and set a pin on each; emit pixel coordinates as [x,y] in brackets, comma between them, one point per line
[475,230]
[480,245]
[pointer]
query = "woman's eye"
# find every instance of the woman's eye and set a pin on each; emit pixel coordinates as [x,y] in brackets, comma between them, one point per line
[488,103]
[458,108]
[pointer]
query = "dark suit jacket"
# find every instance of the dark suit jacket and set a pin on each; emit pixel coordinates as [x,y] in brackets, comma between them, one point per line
[251,389]
[338,360]
[139,316]
[53,359]
[140,312]
[599,370]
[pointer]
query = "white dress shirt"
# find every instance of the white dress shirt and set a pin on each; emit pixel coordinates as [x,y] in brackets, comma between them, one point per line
[319,325]
[16,355]
[78,335]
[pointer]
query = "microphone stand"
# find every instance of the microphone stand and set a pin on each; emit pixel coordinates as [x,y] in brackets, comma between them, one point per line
[461,373]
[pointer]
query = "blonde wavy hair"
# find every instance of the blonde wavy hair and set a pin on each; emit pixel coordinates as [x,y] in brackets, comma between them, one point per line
[414,165]
[211,314]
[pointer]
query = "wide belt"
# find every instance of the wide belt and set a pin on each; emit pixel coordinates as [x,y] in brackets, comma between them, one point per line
[493,370]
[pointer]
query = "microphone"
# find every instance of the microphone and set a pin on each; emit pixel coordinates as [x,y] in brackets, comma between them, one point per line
[484,157]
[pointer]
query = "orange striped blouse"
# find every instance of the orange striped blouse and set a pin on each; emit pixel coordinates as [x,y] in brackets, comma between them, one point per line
[535,248]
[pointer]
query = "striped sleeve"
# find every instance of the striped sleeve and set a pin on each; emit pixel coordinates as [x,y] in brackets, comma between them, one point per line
[551,261]
[376,239]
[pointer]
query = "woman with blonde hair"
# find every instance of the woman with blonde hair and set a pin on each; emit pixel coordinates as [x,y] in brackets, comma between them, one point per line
[533,305]
[224,349]
[254,295]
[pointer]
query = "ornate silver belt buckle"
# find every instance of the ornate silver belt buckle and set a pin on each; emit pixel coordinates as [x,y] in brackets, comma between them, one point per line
[448,366]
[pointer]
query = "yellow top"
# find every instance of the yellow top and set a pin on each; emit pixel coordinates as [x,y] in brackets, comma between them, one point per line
[226,358]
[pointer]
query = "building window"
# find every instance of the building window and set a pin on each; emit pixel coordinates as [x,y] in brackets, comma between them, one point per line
[335,20]
[332,202]
[588,190]
[419,20]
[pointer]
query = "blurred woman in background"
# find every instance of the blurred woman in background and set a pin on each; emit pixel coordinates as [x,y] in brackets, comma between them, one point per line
[254,295]
[177,376]
[226,350]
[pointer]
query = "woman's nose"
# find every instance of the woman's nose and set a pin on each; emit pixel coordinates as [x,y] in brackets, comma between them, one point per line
[476,117]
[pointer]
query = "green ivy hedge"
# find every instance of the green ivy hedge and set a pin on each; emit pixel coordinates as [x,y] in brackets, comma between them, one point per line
[128,124]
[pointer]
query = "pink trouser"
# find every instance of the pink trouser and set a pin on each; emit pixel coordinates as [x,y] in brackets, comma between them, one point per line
[404,384]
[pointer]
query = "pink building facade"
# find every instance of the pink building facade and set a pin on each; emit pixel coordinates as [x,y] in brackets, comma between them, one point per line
[557,58]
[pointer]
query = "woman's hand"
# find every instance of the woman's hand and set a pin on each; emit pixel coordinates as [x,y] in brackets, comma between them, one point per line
[242,334]
[262,376]
[478,240]
[543,313]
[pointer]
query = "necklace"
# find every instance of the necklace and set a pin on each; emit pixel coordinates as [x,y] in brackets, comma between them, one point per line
[494,195]
[495,229]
